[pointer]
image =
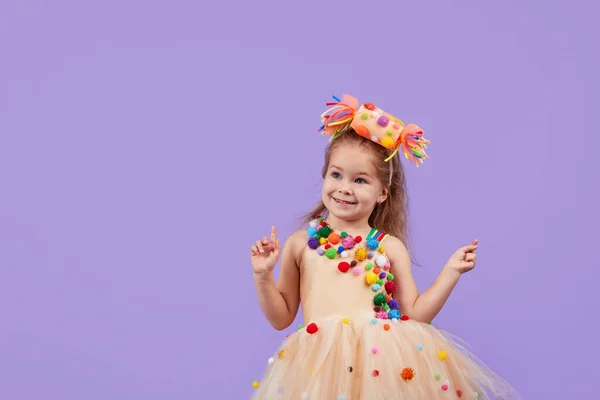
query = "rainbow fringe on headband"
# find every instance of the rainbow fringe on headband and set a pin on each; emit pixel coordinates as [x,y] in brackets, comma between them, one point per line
[374,124]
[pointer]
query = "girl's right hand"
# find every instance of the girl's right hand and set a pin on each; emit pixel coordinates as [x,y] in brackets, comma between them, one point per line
[265,253]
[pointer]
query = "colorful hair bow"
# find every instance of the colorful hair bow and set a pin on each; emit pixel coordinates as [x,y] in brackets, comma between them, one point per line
[374,124]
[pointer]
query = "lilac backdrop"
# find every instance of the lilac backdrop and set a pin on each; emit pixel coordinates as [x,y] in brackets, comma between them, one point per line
[145,145]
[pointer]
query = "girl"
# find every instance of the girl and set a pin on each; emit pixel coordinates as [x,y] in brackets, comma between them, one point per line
[367,332]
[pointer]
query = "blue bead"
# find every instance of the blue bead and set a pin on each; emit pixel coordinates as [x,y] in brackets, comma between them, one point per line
[373,320]
[340,249]
[420,346]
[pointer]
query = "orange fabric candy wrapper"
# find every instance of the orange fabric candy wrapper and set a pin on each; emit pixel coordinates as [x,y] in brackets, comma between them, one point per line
[371,122]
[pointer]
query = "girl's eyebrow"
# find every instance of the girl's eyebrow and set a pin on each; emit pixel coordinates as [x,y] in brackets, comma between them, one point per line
[341,169]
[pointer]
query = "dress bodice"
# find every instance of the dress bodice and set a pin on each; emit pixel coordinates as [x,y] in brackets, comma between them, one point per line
[345,276]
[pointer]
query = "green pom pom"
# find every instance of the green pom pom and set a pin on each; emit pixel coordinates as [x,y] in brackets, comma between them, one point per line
[324,231]
[380,282]
[386,307]
[379,300]
[364,116]
[369,266]
[343,234]
[390,277]
[331,253]
[300,327]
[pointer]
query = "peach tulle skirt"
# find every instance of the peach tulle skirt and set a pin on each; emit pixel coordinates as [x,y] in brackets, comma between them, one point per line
[377,360]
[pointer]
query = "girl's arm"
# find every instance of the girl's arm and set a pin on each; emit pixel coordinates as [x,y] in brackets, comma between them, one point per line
[426,306]
[279,301]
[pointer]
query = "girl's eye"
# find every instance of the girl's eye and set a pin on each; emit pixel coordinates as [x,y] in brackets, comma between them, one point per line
[360,180]
[335,175]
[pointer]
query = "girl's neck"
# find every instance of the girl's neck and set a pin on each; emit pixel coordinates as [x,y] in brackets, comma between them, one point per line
[339,225]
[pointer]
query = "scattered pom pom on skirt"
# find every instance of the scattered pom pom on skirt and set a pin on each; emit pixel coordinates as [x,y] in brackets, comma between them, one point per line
[342,359]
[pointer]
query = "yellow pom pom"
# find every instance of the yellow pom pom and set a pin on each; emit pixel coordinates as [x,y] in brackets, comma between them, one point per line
[381,249]
[322,240]
[346,320]
[281,353]
[371,278]
[442,355]
[255,384]
[387,142]
[360,254]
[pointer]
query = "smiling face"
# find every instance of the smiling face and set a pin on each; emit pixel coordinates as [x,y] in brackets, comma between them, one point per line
[351,188]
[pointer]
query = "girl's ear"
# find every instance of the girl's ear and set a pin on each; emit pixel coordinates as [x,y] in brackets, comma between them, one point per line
[383,195]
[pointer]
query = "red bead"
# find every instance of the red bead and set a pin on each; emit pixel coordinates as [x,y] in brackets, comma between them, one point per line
[390,287]
[312,328]
[375,372]
[459,393]
[404,318]
[327,246]
[343,266]
[369,106]
[357,239]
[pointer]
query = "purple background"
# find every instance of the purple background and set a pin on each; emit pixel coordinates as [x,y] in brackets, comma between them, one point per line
[145,145]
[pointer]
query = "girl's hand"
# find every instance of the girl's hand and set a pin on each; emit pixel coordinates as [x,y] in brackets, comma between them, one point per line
[464,259]
[265,253]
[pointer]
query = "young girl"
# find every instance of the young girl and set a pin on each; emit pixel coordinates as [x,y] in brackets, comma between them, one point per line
[367,332]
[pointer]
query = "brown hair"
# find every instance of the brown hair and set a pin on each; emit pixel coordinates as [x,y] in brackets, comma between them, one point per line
[390,216]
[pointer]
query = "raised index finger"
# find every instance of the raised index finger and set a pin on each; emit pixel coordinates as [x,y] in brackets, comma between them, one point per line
[273,234]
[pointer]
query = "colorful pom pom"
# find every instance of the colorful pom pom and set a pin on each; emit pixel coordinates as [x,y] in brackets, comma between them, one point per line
[333,238]
[442,355]
[343,266]
[407,374]
[325,231]
[394,314]
[331,253]
[390,287]
[375,287]
[381,260]
[312,328]
[379,299]
[312,232]
[371,278]
[393,304]
[360,254]
[381,315]
[348,242]
[372,243]
[313,223]
[255,384]
[358,239]
[313,243]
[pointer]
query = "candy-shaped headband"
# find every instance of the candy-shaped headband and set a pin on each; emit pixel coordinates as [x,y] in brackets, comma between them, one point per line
[374,124]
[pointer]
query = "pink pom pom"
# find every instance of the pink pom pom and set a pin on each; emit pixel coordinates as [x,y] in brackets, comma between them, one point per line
[381,315]
[348,242]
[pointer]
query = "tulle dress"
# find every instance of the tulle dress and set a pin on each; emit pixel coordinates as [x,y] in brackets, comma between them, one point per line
[356,345]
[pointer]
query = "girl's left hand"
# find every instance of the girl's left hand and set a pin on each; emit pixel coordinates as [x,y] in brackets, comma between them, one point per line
[464,259]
